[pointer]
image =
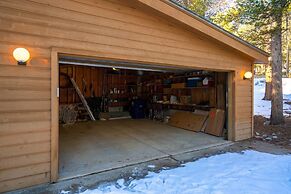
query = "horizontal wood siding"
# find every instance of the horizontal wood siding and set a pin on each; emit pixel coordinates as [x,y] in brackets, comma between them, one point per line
[108,29]
[243,104]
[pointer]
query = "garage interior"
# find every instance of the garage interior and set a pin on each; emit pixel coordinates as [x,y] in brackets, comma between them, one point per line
[114,114]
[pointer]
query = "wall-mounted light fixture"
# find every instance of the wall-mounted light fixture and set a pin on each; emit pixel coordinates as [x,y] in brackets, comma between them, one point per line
[21,55]
[248,75]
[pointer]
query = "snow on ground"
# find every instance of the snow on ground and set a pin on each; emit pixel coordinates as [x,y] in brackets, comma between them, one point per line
[249,172]
[263,107]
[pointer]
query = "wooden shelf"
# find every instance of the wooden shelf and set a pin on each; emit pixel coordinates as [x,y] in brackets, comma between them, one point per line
[191,76]
[114,104]
[201,87]
[117,96]
[152,84]
[121,85]
[195,106]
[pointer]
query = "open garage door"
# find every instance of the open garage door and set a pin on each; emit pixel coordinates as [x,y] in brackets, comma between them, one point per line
[114,114]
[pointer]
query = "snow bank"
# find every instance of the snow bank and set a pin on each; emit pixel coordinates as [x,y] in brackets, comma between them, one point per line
[251,172]
[263,107]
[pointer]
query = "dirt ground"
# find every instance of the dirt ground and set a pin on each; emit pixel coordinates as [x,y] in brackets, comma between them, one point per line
[279,135]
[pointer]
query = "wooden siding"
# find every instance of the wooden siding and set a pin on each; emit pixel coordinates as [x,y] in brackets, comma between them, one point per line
[172,11]
[105,29]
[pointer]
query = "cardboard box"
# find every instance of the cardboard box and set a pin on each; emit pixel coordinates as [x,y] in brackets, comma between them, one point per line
[167,90]
[185,99]
[104,116]
[178,85]
[115,109]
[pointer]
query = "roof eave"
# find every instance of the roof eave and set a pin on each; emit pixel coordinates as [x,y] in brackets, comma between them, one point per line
[186,16]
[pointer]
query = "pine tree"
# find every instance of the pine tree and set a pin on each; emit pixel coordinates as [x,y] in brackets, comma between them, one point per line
[268,14]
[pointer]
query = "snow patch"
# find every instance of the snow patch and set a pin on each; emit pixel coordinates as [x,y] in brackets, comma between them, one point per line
[249,172]
[263,107]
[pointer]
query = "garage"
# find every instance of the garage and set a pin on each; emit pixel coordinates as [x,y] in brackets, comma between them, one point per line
[156,78]
[114,114]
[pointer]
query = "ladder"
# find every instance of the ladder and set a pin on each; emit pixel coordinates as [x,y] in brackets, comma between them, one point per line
[82,99]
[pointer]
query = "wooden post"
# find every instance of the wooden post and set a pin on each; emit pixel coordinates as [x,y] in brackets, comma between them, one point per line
[253,96]
[230,108]
[54,116]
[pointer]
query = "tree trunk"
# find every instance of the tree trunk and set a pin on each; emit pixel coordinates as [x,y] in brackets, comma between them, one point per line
[288,46]
[268,91]
[268,86]
[277,93]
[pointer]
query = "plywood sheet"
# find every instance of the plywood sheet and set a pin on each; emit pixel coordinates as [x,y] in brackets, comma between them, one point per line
[188,120]
[215,122]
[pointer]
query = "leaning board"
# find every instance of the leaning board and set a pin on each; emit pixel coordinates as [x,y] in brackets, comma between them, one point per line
[215,122]
[188,120]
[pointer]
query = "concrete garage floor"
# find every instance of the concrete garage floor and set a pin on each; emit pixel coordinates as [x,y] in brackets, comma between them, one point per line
[93,147]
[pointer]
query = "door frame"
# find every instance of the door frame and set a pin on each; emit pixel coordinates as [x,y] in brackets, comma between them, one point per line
[55,52]
[230,112]
[54,115]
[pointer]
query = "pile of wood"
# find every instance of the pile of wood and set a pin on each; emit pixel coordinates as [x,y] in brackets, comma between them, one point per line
[211,122]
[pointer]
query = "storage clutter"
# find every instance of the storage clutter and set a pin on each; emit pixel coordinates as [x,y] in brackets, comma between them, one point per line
[112,93]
